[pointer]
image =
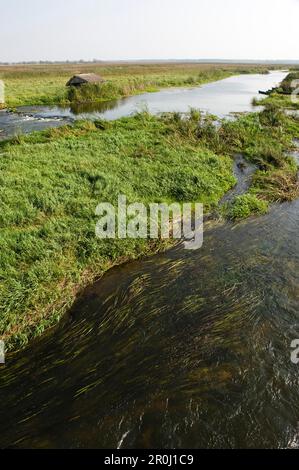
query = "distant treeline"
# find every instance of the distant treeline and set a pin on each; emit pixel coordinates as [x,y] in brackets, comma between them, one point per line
[54,62]
[162,61]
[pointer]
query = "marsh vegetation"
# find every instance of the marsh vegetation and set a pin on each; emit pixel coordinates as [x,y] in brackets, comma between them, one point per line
[45,85]
[52,181]
[281,96]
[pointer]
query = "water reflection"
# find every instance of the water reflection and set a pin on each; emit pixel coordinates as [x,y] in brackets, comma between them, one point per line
[90,108]
[232,95]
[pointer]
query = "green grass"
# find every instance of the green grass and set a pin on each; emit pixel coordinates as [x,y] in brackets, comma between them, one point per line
[263,138]
[246,205]
[281,96]
[51,183]
[45,85]
[283,101]
[287,85]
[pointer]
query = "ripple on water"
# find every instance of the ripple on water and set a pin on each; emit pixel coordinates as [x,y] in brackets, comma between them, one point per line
[182,350]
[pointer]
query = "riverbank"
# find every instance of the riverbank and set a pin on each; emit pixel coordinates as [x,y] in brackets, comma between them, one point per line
[46,84]
[282,95]
[52,182]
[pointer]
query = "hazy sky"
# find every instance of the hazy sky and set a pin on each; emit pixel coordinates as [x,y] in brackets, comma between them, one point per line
[149,29]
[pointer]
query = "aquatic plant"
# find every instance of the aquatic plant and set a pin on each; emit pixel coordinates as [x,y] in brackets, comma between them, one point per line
[247,205]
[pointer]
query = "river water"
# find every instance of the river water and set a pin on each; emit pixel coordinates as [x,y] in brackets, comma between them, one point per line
[232,95]
[183,350]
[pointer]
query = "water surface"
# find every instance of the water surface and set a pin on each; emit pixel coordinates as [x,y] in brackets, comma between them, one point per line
[183,350]
[232,95]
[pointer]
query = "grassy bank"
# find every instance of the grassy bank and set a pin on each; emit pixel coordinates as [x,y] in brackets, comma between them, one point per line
[282,95]
[263,138]
[45,85]
[51,183]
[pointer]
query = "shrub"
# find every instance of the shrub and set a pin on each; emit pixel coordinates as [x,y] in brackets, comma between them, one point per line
[272,116]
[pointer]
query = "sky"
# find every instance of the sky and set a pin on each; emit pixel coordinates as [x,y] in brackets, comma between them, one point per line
[148,29]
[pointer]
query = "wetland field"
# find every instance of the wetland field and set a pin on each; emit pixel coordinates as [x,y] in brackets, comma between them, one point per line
[141,331]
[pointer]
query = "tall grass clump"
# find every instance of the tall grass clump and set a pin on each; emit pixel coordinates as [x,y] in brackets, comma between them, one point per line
[276,186]
[272,116]
[247,205]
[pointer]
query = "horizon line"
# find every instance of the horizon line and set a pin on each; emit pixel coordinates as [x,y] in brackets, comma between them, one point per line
[152,60]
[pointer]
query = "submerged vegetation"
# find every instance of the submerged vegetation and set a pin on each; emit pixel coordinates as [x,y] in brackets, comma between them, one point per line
[52,182]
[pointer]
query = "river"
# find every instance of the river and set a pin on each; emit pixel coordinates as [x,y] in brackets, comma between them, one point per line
[232,95]
[182,350]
